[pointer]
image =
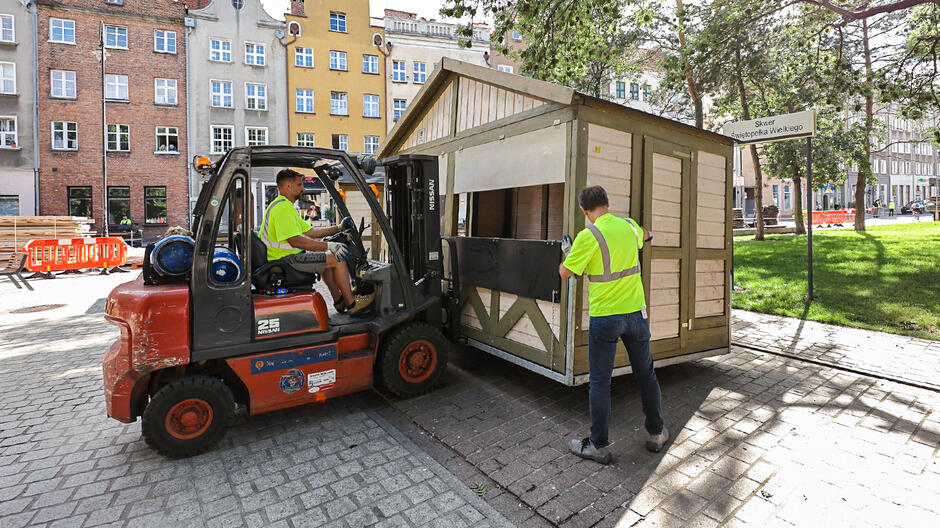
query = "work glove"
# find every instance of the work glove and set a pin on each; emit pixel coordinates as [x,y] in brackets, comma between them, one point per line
[339,250]
[347,223]
[565,246]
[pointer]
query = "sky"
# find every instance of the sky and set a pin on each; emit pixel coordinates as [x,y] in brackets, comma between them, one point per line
[424,8]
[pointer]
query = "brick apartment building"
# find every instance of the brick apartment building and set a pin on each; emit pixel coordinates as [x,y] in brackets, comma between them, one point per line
[145,105]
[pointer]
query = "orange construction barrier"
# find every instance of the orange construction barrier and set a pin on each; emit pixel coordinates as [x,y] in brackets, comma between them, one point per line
[75,253]
[819,217]
[835,217]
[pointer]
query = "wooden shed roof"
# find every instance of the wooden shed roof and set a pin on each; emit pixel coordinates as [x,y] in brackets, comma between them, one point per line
[543,90]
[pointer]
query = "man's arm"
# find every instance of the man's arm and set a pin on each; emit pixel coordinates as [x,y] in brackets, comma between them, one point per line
[320,232]
[564,272]
[307,243]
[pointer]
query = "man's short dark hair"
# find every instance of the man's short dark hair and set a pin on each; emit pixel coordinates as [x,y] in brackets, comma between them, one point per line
[287,175]
[592,197]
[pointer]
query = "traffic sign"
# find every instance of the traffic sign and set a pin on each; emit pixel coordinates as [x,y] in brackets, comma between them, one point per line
[829,190]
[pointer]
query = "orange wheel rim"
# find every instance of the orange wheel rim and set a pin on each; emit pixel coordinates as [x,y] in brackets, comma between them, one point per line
[189,418]
[417,361]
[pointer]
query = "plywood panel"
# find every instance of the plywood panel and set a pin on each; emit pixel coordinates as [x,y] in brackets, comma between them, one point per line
[481,103]
[533,158]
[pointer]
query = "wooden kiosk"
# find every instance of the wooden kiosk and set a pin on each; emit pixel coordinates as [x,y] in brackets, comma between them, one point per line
[513,154]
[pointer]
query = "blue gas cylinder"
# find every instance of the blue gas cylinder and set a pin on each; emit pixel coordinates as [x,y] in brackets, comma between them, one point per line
[172,256]
[226,266]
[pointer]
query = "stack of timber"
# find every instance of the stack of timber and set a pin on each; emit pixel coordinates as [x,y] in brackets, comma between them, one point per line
[16,231]
[770,215]
[737,219]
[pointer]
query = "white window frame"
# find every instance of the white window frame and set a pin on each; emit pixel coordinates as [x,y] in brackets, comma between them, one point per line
[339,101]
[397,113]
[166,41]
[370,149]
[256,58]
[374,106]
[64,84]
[222,95]
[4,134]
[506,68]
[222,52]
[258,102]
[117,36]
[212,139]
[302,139]
[419,76]
[301,54]
[12,20]
[166,89]
[341,140]
[399,74]
[63,29]
[303,94]
[166,134]
[119,131]
[4,79]
[113,81]
[248,132]
[65,135]
[340,21]
[340,60]
[373,61]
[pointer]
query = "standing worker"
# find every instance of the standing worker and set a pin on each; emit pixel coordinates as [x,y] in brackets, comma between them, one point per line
[891,207]
[608,251]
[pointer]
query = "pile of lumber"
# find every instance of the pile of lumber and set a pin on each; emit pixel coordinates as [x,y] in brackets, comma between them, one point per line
[16,231]
[737,218]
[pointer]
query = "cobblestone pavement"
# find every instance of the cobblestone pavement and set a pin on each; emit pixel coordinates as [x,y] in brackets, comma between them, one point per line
[759,440]
[893,356]
[64,463]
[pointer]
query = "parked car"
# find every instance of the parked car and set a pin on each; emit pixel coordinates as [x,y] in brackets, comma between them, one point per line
[908,208]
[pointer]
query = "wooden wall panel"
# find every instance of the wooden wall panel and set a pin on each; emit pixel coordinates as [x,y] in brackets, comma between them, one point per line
[480,103]
[527,220]
[435,124]
[556,210]
[608,165]
[709,288]
[711,203]
[664,299]
[667,200]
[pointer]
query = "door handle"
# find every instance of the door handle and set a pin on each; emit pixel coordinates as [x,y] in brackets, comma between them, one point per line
[687,324]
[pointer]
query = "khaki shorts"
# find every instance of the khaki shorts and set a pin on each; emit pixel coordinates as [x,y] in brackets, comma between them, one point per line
[308,261]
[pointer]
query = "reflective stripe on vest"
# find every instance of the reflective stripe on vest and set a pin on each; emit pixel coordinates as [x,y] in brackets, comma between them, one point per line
[264,229]
[607,276]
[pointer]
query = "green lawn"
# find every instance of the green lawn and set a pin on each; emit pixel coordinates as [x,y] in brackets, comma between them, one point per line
[887,278]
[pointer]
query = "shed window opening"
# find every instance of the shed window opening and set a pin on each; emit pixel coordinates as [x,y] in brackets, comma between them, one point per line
[534,212]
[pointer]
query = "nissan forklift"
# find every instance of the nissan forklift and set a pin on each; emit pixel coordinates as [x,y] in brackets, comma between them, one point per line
[195,345]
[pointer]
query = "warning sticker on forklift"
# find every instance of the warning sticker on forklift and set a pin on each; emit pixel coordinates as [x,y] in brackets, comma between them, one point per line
[317,381]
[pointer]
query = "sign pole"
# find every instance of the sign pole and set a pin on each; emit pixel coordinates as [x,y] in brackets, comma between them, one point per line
[809,224]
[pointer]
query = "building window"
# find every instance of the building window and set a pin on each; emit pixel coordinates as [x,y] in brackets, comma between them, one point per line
[9,205]
[79,201]
[119,138]
[305,139]
[787,204]
[398,108]
[222,139]
[621,91]
[164,91]
[338,60]
[6,28]
[220,50]
[115,37]
[168,140]
[164,41]
[338,103]
[8,137]
[64,135]
[635,91]
[371,144]
[303,57]
[304,101]
[504,68]
[338,22]
[7,77]
[370,105]
[646,92]
[256,136]
[256,96]
[222,94]
[254,54]
[155,205]
[63,84]
[341,141]
[119,204]
[370,64]
[399,71]
[116,87]
[420,72]
[62,31]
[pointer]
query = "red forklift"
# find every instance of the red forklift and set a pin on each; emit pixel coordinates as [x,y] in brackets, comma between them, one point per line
[192,346]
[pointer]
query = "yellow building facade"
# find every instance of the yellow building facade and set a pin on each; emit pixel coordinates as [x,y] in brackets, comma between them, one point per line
[335,75]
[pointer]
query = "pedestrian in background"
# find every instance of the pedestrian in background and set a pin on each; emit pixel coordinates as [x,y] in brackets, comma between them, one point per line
[891,208]
[608,253]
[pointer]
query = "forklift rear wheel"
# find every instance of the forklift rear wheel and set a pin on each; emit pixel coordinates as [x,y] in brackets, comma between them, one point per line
[188,416]
[413,359]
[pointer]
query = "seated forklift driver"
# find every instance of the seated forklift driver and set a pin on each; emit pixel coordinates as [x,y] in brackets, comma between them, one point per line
[286,234]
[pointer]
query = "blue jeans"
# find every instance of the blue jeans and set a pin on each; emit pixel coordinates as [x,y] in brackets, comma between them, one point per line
[634,330]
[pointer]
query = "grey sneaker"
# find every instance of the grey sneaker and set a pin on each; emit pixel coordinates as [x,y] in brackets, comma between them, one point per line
[655,443]
[585,449]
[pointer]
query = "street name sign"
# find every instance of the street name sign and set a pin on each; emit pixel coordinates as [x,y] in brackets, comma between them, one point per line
[773,128]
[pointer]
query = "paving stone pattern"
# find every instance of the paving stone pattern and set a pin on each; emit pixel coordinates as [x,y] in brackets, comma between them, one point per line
[758,440]
[64,463]
[889,355]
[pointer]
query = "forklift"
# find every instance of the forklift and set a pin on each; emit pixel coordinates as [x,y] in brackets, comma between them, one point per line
[193,346]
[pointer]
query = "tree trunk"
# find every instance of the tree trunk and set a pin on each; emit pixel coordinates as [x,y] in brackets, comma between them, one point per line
[798,204]
[689,81]
[758,180]
[865,172]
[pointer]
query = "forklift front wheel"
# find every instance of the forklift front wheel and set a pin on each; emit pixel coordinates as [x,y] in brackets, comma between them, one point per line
[188,416]
[413,359]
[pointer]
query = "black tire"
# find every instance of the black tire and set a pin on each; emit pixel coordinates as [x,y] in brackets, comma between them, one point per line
[413,359]
[205,399]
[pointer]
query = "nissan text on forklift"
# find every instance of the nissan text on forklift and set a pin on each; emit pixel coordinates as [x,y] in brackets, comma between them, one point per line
[196,343]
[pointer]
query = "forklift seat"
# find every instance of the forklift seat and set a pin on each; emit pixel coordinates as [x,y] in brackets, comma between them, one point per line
[279,273]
